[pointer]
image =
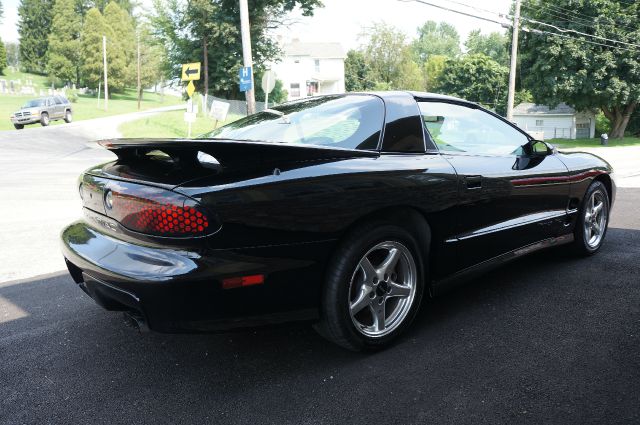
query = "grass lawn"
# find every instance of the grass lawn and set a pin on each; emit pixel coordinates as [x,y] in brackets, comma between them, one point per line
[169,124]
[86,107]
[39,81]
[594,143]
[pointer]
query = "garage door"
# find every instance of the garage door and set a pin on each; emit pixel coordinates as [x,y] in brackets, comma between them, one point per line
[583,130]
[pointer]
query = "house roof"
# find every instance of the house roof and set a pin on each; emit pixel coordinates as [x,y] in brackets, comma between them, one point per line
[533,109]
[315,50]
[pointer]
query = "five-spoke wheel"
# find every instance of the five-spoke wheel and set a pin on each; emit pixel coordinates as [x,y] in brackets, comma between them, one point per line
[595,219]
[374,286]
[382,288]
[591,226]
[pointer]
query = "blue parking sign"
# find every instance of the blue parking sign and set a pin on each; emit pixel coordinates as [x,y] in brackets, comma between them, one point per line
[246,82]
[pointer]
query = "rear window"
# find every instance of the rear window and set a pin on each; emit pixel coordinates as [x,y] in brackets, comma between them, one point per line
[352,122]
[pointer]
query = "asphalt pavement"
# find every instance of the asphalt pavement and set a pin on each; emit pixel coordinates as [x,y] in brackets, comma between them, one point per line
[547,339]
[39,169]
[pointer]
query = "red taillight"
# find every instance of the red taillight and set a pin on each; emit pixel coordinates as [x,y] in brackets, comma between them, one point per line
[157,212]
[237,282]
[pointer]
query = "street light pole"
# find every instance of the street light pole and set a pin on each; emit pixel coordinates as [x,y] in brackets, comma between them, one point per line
[514,62]
[139,85]
[246,53]
[104,59]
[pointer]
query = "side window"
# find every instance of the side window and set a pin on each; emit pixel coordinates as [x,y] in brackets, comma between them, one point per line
[456,128]
[58,100]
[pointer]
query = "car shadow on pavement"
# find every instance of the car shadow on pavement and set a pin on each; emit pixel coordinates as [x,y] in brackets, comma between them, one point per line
[550,335]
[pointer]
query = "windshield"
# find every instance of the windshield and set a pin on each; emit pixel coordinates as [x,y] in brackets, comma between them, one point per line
[345,121]
[34,103]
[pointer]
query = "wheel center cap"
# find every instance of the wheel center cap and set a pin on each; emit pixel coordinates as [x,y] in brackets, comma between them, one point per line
[382,289]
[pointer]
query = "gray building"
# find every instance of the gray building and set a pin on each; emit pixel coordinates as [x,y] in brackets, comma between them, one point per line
[561,122]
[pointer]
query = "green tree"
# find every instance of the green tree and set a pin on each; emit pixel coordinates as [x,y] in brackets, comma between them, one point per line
[13,54]
[208,31]
[3,58]
[586,76]
[121,47]
[383,44]
[494,45]
[477,78]
[101,5]
[91,47]
[433,68]
[34,22]
[152,57]
[389,59]
[410,75]
[436,39]
[64,42]
[356,72]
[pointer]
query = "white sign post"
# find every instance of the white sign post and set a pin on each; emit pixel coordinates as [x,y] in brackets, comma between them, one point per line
[268,83]
[219,111]
[190,115]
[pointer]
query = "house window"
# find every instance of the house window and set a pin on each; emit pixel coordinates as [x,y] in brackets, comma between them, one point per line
[295,90]
[539,123]
[583,125]
[317,64]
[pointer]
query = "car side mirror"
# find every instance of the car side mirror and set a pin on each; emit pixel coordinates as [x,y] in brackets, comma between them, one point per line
[540,147]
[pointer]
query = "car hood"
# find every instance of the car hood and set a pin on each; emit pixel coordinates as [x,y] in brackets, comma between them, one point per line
[32,110]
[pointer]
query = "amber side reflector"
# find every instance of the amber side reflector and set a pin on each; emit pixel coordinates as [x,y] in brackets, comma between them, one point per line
[238,282]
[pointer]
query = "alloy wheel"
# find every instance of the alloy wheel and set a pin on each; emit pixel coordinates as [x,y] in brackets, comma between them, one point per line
[595,219]
[382,289]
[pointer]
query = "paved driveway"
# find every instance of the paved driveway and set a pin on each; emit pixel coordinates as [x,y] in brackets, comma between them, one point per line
[548,339]
[39,168]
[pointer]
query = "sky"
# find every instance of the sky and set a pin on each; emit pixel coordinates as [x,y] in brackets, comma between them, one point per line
[344,20]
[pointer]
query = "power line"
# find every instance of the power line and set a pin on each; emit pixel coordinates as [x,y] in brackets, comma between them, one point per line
[565,30]
[538,31]
[533,21]
[504,24]
[584,19]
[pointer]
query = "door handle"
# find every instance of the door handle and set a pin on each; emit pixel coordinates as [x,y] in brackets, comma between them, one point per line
[473,182]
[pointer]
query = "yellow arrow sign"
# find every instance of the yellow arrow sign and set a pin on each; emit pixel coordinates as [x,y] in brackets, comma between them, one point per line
[190,88]
[190,71]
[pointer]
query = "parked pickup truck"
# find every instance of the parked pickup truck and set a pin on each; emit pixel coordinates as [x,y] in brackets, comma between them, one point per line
[43,111]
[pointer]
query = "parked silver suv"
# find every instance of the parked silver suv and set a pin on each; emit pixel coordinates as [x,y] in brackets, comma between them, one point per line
[43,110]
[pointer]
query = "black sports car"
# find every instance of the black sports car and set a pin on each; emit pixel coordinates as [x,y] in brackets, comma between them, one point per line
[344,210]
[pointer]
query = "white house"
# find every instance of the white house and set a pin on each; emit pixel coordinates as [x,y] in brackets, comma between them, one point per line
[308,69]
[561,122]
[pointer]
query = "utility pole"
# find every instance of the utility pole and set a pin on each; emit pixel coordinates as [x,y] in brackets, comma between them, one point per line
[139,85]
[514,62]
[246,53]
[104,60]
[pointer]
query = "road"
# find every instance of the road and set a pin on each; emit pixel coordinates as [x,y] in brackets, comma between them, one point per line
[39,168]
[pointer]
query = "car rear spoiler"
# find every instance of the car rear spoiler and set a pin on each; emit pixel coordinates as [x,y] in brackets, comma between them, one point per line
[226,152]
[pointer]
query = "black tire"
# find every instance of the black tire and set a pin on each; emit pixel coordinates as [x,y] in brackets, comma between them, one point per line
[19,126]
[336,323]
[44,119]
[68,117]
[584,244]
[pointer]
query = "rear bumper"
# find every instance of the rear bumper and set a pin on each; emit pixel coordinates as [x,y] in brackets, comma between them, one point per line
[178,290]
